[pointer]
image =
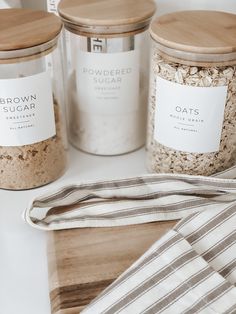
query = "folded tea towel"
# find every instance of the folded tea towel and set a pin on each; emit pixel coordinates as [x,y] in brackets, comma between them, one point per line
[192,269]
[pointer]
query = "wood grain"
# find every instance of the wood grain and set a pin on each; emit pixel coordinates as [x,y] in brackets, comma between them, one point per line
[106,12]
[207,32]
[24,28]
[83,262]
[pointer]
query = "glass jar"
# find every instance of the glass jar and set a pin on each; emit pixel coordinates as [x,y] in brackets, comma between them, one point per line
[107,73]
[192,103]
[32,128]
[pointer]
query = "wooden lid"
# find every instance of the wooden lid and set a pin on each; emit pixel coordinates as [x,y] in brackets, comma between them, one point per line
[196,32]
[106,12]
[23,28]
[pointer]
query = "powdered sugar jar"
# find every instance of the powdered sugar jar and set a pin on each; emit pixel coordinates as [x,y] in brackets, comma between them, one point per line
[192,104]
[107,76]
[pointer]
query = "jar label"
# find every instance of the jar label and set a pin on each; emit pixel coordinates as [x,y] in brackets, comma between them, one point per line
[108,83]
[189,118]
[26,110]
[52,5]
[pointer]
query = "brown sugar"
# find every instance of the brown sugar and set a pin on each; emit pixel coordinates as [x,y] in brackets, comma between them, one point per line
[34,165]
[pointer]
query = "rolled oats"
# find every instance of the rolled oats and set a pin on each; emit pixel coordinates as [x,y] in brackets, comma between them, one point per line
[166,159]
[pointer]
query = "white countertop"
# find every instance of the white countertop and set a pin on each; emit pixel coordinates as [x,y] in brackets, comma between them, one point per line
[23,260]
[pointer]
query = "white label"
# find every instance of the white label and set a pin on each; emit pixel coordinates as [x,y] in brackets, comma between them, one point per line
[52,6]
[108,83]
[189,118]
[26,110]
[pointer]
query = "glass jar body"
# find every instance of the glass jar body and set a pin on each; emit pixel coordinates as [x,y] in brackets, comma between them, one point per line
[33,151]
[107,92]
[191,118]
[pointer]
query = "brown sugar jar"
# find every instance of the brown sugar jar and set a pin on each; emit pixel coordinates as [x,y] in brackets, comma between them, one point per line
[192,103]
[32,129]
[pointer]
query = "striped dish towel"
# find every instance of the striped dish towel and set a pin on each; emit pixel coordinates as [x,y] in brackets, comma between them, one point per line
[192,269]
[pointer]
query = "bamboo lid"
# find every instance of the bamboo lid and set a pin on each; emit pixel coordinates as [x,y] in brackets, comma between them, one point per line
[24,28]
[193,33]
[106,13]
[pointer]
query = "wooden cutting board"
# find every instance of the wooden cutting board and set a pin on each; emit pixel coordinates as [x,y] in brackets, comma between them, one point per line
[83,262]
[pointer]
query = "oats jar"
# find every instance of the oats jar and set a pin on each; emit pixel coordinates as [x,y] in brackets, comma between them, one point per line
[32,127]
[107,73]
[192,103]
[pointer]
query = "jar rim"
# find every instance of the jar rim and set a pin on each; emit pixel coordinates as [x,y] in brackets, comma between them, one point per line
[28,52]
[188,58]
[106,29]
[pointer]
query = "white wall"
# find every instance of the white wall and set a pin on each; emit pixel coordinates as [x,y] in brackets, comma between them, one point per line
[35,4]
[165,6]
